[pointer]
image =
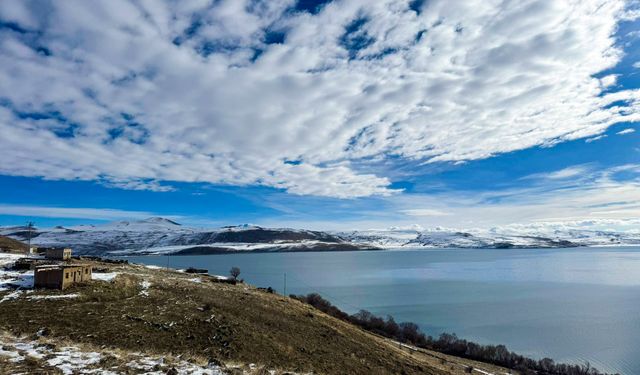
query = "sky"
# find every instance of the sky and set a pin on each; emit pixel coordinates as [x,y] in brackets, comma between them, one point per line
[343,114]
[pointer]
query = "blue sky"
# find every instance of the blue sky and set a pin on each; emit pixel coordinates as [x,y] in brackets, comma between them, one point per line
[327,115]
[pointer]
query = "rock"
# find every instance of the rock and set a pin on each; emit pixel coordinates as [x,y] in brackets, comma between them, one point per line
[45,331]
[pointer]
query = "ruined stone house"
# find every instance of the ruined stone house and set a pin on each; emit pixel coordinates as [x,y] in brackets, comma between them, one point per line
[61,276]
[58,253]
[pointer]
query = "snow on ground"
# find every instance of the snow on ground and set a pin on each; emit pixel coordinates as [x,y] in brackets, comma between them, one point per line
[13,279]
[13,295]
[109,276]
[73,360]
[145,288]
[70,359]
[534,235]
[13,355]
[36,297]
[7,258]
[217,277]
[235,246]
[148,364]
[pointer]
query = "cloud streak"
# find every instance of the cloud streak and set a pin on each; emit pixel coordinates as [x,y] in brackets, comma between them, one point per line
[626,131]
[141,94]
[604,196]
[74,213]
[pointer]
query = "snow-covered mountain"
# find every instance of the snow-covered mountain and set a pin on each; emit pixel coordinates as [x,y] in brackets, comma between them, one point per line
[506,237]
[158,235]
[162,236]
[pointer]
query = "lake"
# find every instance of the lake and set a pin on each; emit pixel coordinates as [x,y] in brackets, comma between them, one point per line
[572,305]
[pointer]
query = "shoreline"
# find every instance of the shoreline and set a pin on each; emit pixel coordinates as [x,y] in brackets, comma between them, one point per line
[133,253]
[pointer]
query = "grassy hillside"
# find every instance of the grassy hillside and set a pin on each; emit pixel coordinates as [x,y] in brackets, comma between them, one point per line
[162,312]
[11,244]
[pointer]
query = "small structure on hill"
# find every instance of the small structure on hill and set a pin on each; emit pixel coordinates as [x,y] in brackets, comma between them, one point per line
[23,264]
[61,276]
[58,253]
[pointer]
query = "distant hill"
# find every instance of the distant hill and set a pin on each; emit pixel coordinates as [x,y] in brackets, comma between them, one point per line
[496,238]
[162,236]
[158,235]
[7,243]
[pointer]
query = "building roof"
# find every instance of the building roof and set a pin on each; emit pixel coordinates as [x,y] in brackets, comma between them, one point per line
[61,266]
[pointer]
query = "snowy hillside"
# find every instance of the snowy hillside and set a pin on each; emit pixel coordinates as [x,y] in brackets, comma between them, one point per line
[162,236]
[505,237]
[159,235]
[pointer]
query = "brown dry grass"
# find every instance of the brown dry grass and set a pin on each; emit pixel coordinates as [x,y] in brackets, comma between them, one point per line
[11,244]
[220,322]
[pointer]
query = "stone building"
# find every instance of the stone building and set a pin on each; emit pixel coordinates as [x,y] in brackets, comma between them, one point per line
[58,253]
[61,276]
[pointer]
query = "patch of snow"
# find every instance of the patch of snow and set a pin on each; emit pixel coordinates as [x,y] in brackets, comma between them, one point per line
[196,280]
[109,276]
[30,349]
[482,371]
[145,363]
[231,246]
[13,279]
[145,288]
[8,258]
[70,360]
[521,236]
[60,296]
[12,295]
[14,356]
[148,364]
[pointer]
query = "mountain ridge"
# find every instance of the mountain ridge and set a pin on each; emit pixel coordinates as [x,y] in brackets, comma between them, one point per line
[157,235]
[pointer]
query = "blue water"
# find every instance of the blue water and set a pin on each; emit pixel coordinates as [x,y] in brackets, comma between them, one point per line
[572,305]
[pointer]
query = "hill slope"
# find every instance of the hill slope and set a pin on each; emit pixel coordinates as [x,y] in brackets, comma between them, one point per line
[11,244]
[159,312]
[158,235]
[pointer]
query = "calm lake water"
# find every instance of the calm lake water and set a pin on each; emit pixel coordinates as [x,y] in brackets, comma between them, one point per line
[572,305]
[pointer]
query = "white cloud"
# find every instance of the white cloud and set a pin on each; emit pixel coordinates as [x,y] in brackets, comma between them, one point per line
[597,138]
[132,184]
[636,65]
[424,212]
[190,91]
[599,196]
[570,172]
[609,80]
[626,131]
[75,213]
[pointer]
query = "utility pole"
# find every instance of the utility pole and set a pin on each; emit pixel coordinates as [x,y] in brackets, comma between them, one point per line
[285,284]
[29,229]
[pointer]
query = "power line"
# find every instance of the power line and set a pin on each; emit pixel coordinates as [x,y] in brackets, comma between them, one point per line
[30,226]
